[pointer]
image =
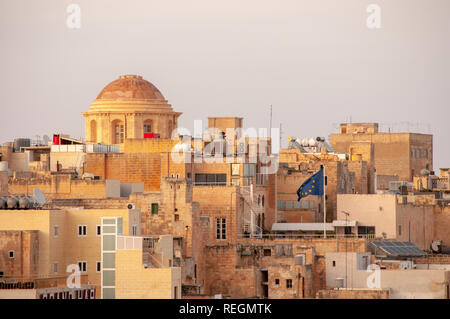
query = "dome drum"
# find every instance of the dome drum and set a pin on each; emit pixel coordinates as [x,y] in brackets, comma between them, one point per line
[129,107]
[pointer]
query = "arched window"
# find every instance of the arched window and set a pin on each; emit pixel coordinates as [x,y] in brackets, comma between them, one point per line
[93,129]
[118,132]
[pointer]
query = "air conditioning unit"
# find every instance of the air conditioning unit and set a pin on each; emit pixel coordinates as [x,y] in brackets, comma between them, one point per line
[131,206]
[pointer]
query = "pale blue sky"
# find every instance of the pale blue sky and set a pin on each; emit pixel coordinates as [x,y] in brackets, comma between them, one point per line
[315,61]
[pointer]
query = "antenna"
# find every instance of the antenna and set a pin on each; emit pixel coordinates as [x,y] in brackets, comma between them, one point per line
[281,133]
[270,123]
[39,197]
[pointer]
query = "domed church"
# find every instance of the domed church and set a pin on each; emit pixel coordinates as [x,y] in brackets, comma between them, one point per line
[129,107]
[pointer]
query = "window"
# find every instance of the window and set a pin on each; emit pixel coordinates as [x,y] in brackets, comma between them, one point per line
[119,133]
[348,230]
[99,266]
[267,252]
[99,230]
[147,128]
[249,170]
[299,259]
[425,154]
[235,169]
[177,217]
[366,230]
[288,283]
[56,231]
[82,230]
[235,182]
[399,230]
[334,263]
[55,268]
[154,209]
[277,281]
[211,179]
[221,228]
[1,274]
[11,254]
[134,230]
[82,265]
[365,262]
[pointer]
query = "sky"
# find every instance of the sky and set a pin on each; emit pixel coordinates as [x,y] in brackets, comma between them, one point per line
[315,61]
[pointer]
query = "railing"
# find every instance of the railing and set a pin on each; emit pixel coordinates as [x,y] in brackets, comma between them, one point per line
[37,282]
[210,183]
[305,236]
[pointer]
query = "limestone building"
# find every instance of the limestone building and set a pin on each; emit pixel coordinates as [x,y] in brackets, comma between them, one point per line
[395,156]
[129,107]
[36,244]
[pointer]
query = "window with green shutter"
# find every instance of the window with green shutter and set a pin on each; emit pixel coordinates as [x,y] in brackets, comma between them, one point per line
[155,208]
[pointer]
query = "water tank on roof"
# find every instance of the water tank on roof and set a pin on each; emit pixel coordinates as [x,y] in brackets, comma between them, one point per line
[26,202]
[3,202]
[12,202]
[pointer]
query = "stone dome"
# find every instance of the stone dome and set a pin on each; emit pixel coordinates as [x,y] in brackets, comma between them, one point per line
[129,108]
[130,87]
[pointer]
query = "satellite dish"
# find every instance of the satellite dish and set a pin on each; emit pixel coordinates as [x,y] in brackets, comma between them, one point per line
[436,246]
[40,198]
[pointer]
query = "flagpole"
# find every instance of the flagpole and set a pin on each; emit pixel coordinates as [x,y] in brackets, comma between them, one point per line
[324,204]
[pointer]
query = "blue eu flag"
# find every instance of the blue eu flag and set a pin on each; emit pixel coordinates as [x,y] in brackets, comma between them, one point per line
[312,186]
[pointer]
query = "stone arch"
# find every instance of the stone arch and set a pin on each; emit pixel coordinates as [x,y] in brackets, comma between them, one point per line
[117,132]
[93,131]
